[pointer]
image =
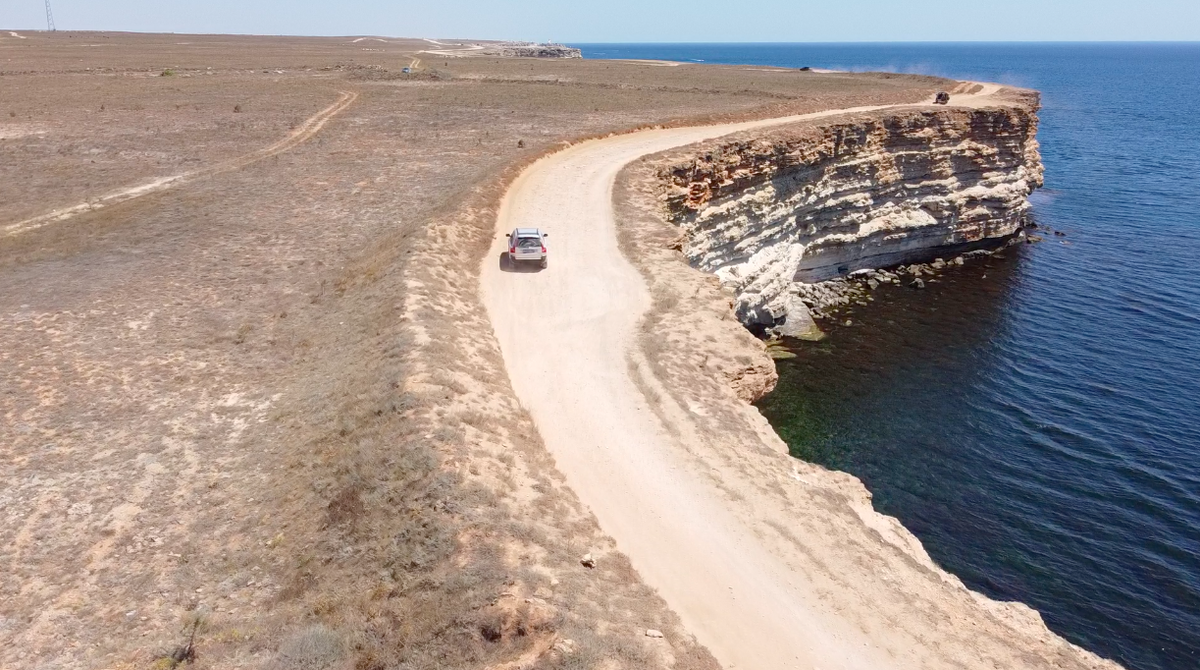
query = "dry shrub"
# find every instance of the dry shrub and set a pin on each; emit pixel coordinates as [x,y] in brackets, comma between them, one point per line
[314,648]
[345,507]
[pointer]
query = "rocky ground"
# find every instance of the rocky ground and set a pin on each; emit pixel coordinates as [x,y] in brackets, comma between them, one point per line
[826,299]
[256,418]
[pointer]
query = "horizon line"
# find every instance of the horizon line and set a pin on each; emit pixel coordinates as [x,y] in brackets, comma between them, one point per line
[647,42]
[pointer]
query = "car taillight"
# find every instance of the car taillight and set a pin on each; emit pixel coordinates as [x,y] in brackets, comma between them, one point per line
[512,250]
[543,248]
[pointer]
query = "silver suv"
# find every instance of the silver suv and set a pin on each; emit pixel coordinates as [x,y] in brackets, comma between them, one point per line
[527,244]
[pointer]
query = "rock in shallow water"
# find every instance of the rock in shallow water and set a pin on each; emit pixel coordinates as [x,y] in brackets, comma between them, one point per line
[798,322]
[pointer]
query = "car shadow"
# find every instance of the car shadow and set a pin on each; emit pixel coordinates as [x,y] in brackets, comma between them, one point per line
[509,265]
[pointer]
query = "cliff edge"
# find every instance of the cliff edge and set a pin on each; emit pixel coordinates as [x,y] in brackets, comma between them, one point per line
[768,212]
[679,215]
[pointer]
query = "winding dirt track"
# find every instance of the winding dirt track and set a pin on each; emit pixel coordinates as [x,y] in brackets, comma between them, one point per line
[566,333]
[301,134]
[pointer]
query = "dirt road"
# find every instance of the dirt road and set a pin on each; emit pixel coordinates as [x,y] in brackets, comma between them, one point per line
[566,333]
[298,136]
[464,48]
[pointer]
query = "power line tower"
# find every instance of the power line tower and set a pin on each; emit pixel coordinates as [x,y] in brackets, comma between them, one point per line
[49,18]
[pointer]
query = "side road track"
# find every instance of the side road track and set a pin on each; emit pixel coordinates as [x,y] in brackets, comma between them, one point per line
[566,333]
[300,135]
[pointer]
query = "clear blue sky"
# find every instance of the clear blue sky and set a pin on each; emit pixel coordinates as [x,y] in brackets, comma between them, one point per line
[636,20]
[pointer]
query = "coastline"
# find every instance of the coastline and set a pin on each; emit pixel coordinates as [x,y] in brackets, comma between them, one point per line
[700,369]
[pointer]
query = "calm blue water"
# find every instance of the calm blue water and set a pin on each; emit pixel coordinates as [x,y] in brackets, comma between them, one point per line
[1035,420]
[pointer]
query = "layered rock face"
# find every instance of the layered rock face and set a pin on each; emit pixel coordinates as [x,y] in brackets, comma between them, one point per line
[533,50]
[807,204]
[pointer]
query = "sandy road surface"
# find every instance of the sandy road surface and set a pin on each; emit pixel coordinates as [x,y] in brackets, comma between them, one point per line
[464,48]
[565,333]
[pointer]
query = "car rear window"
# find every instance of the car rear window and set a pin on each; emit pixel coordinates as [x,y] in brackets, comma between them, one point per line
[528,243]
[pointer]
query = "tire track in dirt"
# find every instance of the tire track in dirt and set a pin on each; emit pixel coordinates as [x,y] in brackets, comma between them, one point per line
[300,135]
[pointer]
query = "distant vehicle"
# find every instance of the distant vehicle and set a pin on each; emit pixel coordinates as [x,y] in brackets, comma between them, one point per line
[527,244]
[941,98]
[407,70]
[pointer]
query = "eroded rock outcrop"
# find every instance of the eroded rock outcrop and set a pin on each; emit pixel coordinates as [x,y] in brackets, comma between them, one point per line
[809,203]
[534,50]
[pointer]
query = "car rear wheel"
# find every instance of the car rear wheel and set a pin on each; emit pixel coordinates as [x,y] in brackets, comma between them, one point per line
[544,263]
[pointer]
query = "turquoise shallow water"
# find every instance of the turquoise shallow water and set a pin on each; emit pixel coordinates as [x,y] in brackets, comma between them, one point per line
[1035,419]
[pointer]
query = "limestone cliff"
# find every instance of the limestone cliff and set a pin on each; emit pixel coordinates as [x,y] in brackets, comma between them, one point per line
[697,367]
[808,203]
[534,50]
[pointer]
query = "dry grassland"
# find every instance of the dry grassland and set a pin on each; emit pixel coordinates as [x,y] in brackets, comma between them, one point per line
[259,419]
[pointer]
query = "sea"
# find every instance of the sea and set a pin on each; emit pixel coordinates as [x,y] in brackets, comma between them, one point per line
[1035,418]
